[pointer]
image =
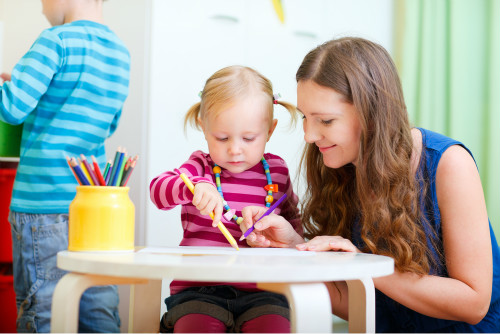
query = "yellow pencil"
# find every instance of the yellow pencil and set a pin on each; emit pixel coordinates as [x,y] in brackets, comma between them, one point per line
[84,170]
[221,226]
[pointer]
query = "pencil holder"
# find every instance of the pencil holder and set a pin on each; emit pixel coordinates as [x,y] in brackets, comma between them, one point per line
[101,219]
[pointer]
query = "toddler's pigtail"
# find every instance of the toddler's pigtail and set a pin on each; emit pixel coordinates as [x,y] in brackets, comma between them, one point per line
[192,116]
[291,109]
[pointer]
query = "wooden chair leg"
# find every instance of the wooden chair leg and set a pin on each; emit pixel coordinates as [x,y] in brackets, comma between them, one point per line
[361,306]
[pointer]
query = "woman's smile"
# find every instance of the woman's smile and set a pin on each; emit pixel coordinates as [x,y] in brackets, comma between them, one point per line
[323,149]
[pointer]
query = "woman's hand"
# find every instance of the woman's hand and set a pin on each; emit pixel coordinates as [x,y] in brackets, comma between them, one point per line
[271,231]
[207,199]
[328,243]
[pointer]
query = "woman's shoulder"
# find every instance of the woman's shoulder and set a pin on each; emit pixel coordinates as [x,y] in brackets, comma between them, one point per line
[434,146]
[441,156]
[436,141]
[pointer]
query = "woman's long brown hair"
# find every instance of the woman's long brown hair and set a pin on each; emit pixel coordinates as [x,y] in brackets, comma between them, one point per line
[381,191]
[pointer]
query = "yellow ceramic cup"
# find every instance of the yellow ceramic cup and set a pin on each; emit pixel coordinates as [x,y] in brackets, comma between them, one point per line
[101,219]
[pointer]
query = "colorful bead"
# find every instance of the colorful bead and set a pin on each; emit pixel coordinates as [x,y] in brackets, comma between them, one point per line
[270,187]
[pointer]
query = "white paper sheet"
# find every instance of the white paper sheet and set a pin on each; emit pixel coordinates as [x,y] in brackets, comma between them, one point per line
[226,251]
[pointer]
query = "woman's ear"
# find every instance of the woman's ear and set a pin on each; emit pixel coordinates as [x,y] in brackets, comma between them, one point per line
[271,129]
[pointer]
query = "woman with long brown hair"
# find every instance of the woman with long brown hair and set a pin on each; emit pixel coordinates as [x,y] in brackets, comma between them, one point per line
[377,185]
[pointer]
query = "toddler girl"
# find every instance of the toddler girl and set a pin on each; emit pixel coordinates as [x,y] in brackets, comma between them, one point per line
[236,116]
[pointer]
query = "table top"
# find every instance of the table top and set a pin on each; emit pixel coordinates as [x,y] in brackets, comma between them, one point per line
[247,265]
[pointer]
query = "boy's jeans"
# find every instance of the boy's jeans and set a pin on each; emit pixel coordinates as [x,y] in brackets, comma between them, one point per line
[36,239]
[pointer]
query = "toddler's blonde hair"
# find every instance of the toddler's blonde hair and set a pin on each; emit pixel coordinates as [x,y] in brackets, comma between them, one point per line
[228,84]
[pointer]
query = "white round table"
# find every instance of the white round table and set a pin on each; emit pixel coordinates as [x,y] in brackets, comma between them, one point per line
[297,275]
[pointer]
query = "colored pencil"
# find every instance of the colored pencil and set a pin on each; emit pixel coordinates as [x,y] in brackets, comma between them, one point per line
[120,174]
[90,170]
[108,174]
[85,172]
[73,171]
[98,171]
[106,169]
[129,171]
[79,172]
[271,209]
[114,167]
[221,226]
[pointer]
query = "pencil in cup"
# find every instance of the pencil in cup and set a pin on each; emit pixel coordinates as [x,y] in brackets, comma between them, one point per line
[107,171]
[89,169]
[73,170]
[97,171]
[120,172]
[221,226]
[128,171]
[85,171]
[115,166]
[78,171]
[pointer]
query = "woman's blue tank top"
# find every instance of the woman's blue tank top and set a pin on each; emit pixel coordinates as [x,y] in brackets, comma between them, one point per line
[394,317]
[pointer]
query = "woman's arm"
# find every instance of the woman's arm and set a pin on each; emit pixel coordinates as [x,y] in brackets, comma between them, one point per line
[466,294]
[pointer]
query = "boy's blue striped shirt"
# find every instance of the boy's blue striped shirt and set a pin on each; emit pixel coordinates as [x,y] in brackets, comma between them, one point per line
[69,90]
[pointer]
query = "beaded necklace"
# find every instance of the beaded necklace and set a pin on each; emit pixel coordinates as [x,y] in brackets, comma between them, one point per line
[270,187]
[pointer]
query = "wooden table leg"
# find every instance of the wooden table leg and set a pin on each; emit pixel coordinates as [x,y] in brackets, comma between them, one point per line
[145,307]
[310,307]
[67,295]
[361,306]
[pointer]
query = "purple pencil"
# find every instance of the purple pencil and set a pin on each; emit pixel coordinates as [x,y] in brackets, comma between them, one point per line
[89,170]
[271,209]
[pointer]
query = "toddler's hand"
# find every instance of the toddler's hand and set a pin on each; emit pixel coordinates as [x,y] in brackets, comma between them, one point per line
[207,199]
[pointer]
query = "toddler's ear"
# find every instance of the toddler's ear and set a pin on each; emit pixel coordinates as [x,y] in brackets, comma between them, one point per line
[271,129]
[200,124]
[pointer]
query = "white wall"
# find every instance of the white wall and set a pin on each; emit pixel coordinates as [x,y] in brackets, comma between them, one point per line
[191,39]
[23,22]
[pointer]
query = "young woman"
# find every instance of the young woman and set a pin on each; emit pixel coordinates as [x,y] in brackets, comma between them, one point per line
[376,185]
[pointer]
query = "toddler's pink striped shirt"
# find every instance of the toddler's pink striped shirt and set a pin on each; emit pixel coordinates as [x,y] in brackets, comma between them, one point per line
[240,190]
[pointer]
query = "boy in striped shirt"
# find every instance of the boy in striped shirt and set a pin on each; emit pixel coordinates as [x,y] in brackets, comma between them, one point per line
[68,90]
[236,117]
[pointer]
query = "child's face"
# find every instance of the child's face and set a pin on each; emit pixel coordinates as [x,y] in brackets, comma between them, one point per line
[54,11]
[329,122]
[237,136]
